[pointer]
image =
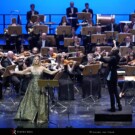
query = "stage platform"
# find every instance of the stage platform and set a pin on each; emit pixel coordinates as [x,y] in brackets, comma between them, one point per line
[103,114]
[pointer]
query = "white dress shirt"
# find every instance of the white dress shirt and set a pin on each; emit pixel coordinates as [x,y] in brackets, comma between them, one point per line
[43,43]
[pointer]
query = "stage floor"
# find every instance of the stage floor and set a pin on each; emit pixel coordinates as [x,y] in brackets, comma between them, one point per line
[79,113]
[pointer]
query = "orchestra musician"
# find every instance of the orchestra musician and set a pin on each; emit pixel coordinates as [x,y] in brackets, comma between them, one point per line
[29,14]
[64,21]
[2,69]
[9,60]
[96,83]
[132,24]
[13,39]
[127,42]
[66,85]
[129,59]
[33,37]
[87,9]
[72,12]
[43,42]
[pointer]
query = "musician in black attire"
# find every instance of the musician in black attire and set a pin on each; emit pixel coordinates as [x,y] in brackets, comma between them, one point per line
[112,77]
[13,78]
[30,13]
[43,42]
[87,9]
[72,12]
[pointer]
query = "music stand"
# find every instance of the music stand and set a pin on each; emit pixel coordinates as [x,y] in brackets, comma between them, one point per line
[63,30]
[132,31]
[111,34]
[131,16]
[89,71]
[130,72]
[15,30]
[44,50]
[77,59]
[72,49]
[98,38]
[122,36]
[8,68]
[57,77]
[106,48]
[123,50]
[49,84]
[40,29]
[84,15]
[68,42]
[88,30]
[52,40]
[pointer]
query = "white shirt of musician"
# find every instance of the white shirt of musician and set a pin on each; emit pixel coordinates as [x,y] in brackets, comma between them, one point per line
[87,10]
[128,44]
[32,12]
[109,76]
[11,61]
[72,10]
[134,26]
[43,43]
[112,29]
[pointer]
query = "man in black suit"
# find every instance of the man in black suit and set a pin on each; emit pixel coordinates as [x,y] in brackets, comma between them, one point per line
[71,13]
[43,42]
[13,78]
[30,13]
[112,77]
[87,9]
[127,42]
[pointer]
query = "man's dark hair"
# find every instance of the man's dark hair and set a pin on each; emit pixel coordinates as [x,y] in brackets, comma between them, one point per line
[32,5]
[86,4]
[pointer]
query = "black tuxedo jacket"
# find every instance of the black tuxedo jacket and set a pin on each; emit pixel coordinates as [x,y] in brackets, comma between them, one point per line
[47,44]
[6,62]
[112,66]
[90,11]
[29,14]
[68,11]
[124,44]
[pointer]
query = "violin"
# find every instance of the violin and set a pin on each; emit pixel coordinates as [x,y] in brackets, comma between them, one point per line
[2,54]
[68,62]
[26,53]
[54,55]
[132,63]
